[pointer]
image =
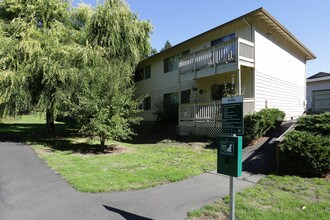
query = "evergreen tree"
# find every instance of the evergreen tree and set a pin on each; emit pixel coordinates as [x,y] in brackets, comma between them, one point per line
[167,45]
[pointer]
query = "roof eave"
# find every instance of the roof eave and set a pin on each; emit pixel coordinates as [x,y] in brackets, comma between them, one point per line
[308,54]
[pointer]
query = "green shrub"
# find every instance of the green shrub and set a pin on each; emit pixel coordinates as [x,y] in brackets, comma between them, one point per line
[259,123]
[317,124]
[271,118]
[305,154]
[252,128]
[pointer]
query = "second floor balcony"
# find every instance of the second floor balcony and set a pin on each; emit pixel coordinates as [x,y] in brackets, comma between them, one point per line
[217,59]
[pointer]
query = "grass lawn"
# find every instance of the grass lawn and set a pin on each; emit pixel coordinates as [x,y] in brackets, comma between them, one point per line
[275,197]
[127,166]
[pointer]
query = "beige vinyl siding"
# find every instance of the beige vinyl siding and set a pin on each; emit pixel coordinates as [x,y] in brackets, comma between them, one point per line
[280,74]
[156,86]
[156,102]
[206,83]
[273,54]
[277,93]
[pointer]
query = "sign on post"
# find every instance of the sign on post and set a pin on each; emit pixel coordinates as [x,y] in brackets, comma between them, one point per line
[232,115]
[230,147]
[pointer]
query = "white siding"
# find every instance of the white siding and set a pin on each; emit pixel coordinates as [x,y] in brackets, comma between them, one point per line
[280,75]
[277,93]
[314,86]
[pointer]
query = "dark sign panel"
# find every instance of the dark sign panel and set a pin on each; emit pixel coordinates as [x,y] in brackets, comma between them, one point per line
[232,115]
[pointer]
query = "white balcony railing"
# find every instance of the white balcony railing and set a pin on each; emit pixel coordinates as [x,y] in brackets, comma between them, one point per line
[219,54]
[208,111]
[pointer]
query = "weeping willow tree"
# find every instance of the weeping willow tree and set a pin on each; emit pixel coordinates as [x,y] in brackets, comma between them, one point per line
[78,60]
[35,60]
[124,41]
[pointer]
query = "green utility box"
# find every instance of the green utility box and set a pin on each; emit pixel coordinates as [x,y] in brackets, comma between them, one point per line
[230,155]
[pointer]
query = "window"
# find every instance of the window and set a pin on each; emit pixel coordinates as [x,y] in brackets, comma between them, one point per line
[220,91]
[185,96]
[217,91]
[147,72]
[142,73]
[147,103]
[171,64]
[185,53]
[223,39]
[171,98]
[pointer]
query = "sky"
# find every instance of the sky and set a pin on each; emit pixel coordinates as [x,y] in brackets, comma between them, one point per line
[179,20]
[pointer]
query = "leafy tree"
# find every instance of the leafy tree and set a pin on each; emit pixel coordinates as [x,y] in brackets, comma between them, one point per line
[104,106]
[124,41]
[78,61]
[118,30]
[35,58]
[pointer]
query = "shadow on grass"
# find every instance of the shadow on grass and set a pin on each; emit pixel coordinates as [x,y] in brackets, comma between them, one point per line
[37,134]
[153,133]
[146,134]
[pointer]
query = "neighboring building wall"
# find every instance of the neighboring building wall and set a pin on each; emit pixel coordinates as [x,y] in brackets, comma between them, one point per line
[314,86]
[280,76]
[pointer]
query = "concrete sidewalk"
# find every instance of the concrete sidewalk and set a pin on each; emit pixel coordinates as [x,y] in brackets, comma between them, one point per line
[30,190]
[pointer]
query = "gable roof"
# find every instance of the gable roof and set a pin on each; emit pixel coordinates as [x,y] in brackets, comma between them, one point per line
[319,75]
[260,14]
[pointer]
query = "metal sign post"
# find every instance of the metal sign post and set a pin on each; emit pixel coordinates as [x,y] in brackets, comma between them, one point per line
[230,163]
[232,198]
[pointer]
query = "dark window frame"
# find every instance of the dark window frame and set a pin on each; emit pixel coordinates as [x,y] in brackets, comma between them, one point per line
[185,96]
[223,39]
[142,73]
[171,64]
[217,91]
[147,103]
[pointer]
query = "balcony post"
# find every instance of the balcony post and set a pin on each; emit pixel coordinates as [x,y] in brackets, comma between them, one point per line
[239,80]
[214,114]
[195,113]
[194,64]
[239,69]
[179,102]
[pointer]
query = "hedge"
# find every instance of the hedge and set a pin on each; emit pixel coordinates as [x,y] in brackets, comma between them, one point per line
[316,124]
[304,153]
[259,123]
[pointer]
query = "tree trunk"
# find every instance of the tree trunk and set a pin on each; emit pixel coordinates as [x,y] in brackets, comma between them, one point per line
[102,143]
[50,126]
